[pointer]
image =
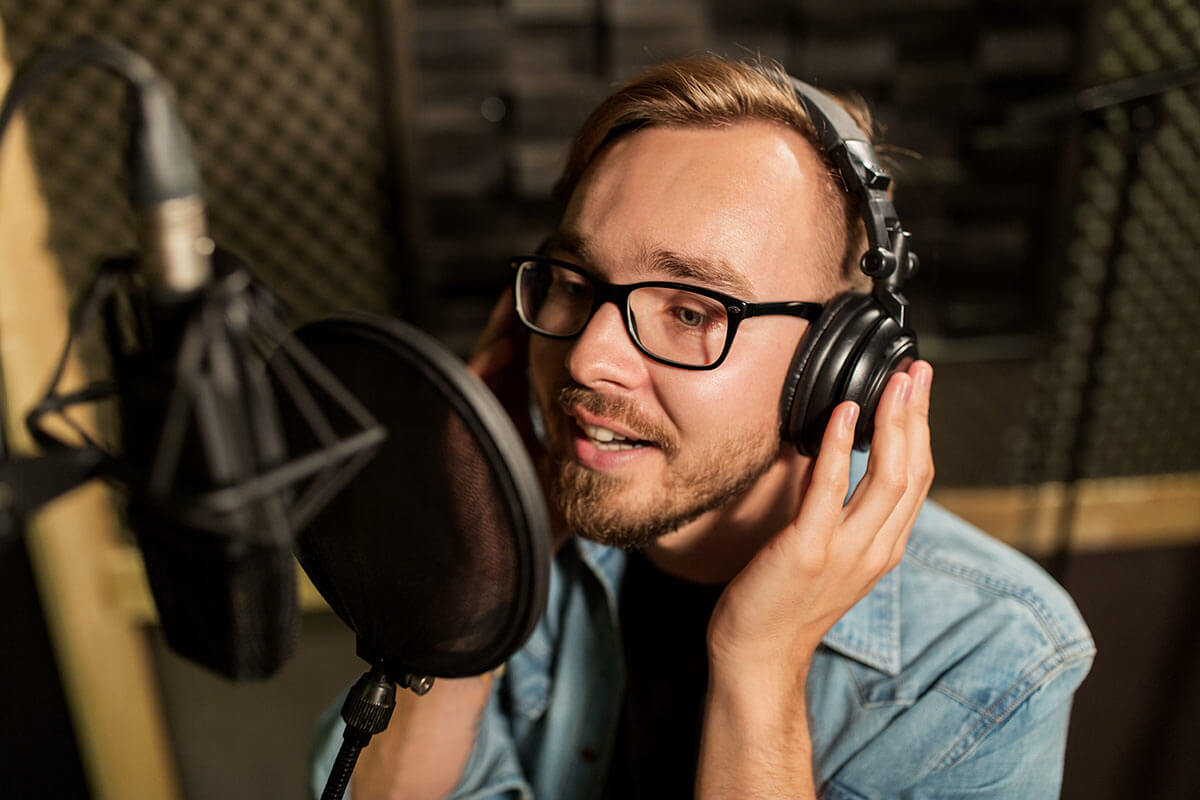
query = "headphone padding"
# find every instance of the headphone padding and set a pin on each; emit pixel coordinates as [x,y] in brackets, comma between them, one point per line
[814,351]
[849,356]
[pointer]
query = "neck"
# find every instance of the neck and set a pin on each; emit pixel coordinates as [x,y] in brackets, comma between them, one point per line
[715,547]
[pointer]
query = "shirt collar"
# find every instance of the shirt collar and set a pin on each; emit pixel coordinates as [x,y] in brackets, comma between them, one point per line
[870,631]
[607,563]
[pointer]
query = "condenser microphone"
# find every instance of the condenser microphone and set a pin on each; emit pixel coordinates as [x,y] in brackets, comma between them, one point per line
[214,492]
[198,416]
[199,421]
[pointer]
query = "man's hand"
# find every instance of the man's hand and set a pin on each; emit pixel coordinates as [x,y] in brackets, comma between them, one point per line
[494,350]
[777,609]
[773,615]
[501,360]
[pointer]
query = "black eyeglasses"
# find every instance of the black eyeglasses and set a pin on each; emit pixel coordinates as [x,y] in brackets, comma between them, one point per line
[673,323]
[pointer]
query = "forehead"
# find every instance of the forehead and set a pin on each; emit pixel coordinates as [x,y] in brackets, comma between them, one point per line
[747,200]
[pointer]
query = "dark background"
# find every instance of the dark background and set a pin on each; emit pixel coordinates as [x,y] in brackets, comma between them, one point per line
[389,155]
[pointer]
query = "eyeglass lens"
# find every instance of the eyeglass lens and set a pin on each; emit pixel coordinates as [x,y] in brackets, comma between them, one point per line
[672,324]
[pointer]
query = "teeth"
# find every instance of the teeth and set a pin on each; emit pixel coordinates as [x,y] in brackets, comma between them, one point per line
[602,434]
[607,440]
[616,446]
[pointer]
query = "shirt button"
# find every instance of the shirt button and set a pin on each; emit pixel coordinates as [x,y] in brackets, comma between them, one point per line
[589,755]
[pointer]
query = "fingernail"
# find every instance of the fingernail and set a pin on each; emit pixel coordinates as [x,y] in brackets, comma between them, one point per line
[905,390]
[848,418]
[925,378]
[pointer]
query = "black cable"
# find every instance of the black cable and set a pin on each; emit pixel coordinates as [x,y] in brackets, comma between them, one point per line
[159,172]
[81,52]
[161,158]
[162,167]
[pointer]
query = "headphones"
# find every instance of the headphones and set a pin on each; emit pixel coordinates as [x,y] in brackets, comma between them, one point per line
[861,339]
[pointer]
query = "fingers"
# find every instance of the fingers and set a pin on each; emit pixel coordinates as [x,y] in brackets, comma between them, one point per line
[886,480]
[920,454]
[900,471]
[494,348]
[501,322]
[830,477]
[487,362]
[920,461]
[500,359]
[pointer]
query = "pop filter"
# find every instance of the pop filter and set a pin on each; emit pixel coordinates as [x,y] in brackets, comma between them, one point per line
[436,554]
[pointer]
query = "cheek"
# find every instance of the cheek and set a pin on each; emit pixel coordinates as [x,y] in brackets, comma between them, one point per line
[736,399]
[742,395]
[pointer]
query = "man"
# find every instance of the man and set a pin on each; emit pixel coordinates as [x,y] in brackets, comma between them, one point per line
[722,620]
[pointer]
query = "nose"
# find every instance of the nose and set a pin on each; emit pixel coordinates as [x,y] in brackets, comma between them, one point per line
[604,355]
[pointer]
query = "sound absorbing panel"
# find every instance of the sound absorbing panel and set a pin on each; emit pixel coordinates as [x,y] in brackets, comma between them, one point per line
[1117,394]
[284,101]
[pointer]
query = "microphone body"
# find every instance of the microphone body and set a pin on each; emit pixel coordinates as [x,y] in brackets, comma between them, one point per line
[200,424]
[199,420]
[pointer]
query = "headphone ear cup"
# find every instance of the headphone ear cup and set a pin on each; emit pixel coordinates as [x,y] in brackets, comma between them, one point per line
[812,352]
[850,353]
[886,351]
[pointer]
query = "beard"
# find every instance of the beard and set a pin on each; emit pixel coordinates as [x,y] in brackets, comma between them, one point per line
[695,483]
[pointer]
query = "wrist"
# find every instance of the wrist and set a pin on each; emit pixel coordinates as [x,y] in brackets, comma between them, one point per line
[755,741]
[764,697]
[774,669]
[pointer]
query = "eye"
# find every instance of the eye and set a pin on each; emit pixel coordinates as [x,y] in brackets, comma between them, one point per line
[690,317]
[693,314]
[576,287]
[568,285]
[666,314]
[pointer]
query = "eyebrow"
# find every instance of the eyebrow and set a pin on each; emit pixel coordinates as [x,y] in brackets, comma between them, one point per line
[565,241]
[717,274]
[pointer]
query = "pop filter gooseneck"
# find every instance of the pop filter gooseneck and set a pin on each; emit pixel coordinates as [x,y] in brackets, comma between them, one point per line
[436,554]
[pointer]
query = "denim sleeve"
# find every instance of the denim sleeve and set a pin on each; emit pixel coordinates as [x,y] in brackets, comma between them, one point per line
[1021,757]
[492,772]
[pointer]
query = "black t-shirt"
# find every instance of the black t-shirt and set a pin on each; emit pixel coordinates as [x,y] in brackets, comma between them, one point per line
[664,621]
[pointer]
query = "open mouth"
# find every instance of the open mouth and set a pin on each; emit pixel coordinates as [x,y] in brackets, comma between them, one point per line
[607,440]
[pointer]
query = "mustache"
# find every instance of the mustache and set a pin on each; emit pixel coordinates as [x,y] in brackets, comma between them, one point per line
[619,410]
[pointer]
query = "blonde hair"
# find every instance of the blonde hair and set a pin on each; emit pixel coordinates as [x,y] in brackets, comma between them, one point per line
[710,91]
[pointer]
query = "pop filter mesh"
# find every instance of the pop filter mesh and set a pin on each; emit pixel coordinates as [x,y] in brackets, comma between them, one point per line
[436,554]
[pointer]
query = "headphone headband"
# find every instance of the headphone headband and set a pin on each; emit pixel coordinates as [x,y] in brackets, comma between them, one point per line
[888,260]
[860,340]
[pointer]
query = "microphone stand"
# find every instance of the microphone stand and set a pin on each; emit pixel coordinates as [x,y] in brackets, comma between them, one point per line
[367,711]
[28,483]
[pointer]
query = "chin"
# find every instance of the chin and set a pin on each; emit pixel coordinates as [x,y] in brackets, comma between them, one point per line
[597,505]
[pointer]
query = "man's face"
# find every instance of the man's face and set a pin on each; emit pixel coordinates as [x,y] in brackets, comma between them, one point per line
[737,209]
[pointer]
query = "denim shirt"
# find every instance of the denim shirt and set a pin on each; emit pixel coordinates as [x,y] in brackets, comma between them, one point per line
[953,677]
